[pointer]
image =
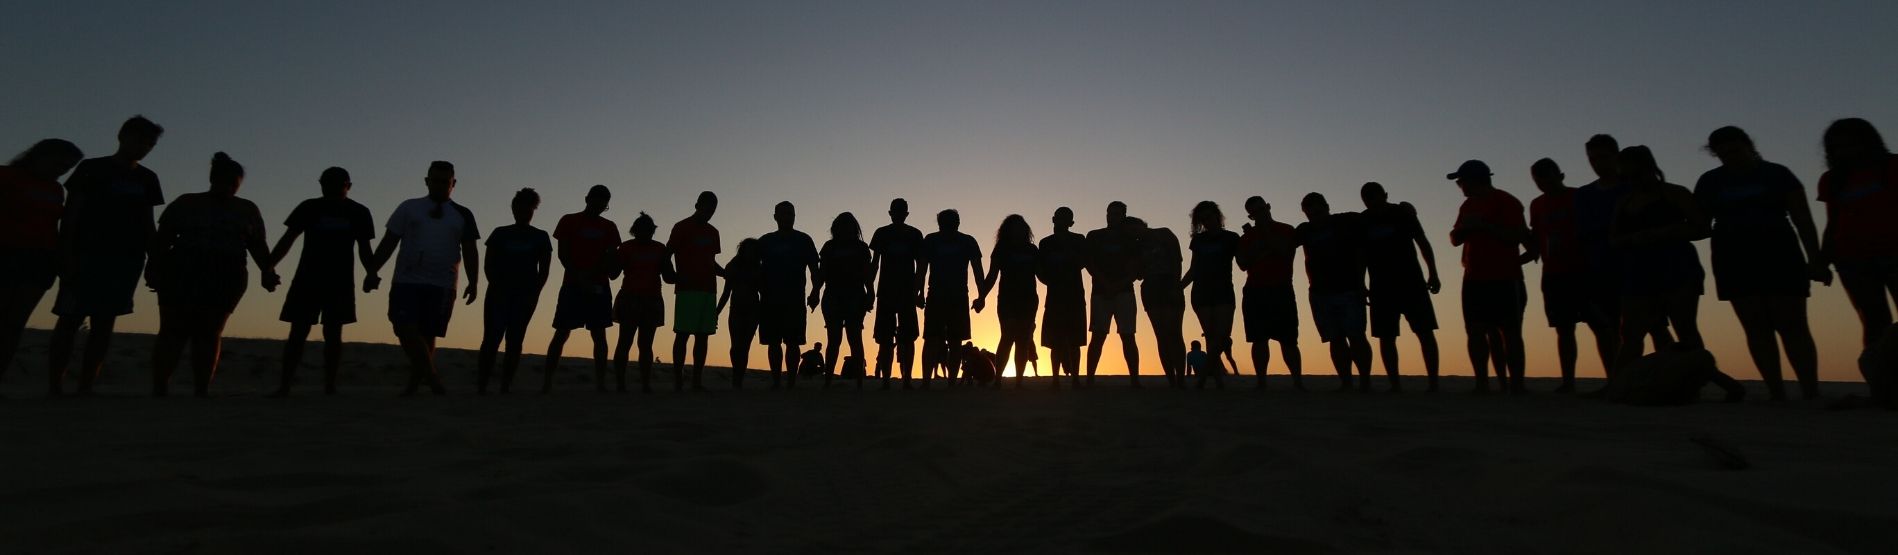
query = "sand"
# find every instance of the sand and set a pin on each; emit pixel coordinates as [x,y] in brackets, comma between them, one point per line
[1106,470]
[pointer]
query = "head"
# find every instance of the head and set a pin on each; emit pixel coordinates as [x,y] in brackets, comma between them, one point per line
[747,252]
[1732,146]
[48,159]
[1115,211]
[1014,230]
[1063,218]
[846,228]
[1258,209]
[1604,155]
[1852,143]
[1315,206]
[440,180]
[1472,177]
[706,206]
[1638,165]
[899,210]
[1195,345]
[643,227]
[137,137]
[598,196]
[335,182]
[226,174]
[1133,225]
[1207,216]
[1373,195]
[785,214]
[949,220]
[526,201]
[1547,175]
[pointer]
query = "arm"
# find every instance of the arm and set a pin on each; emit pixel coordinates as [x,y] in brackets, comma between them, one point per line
[876,261]
[1697,225]
[976,261]
[158,254]
[666,271]
[383,251]
[723,298]
[922,277]
[471,253]
[983,282]
[817,277]
[283,247]
[1801,213]
[1430,255]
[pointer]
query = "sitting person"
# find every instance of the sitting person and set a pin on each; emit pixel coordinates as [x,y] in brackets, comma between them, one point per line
[1671,377]
[978,365]
[813,362]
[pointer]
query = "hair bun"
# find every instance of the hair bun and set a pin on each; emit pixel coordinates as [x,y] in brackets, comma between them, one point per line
[221,157]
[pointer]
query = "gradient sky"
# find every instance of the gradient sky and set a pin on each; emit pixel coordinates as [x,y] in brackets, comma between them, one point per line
[988,107]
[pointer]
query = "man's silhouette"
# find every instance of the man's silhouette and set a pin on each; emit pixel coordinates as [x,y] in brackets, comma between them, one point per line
[1595,205]
[197,267]
[1162,294]
[519,259]
[694,245]
[434,234]
[1567,298]
[1215,248]
[1334,266]
[1114,265]
[1013,262]
[1061,258]
[951,254]
[786,256]
[1490,228]
[895,247]
[586,243]
[743,278]
[640,309]
[1196,365]
[103,239]
[1269,305]
[31,203]
[843,289]
[1399,288]
[324,289]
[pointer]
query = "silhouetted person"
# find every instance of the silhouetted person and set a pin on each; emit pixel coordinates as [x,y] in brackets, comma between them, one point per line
[843,289]
[1400,290]
[743,278]
[1196,365]
[645,265]
[434,234]
[1762,237]
[1334,268]
[950,254]
[694,245]
[786,257]
[104,235]
[1490,228]
[1013,262]
[1269,304]
[1567,290]
[979,366]
[31,203]
[324,289]
[1860,191]
[1661,277]
[1061,258]
[519,259]
[197,267]
[812,362]
[1113,261]
[895,248]
[1595,205]
[1162,294]
[585,242]
[1215,249]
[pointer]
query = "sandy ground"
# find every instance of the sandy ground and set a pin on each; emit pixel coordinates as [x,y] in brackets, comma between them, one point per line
[1106,470]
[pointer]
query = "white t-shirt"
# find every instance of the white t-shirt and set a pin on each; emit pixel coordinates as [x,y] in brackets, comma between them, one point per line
[431,246]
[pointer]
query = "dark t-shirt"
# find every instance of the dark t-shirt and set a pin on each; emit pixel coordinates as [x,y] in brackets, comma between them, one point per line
[898,245]
[1112,260]
[1334,259]
[1748,205]
[949,254]
[1213,253]
[1061,258]
[331,229]
[118,200]
[846,265]
[514,255]
[785,257]
[211,229]
[1595,205]
[1015,265]
[1390,249]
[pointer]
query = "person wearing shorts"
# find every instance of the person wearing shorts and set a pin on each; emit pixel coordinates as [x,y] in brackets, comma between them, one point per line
[1566,291]
[894,249]
[1215,249]
[1012,264]
[106,230]
[694,245]
[519,259]
[842,290]
[1393,239]
[1114,264]
[198,269]
[949,254]
[31,204]
[1491,230]
[1060,259]
[586,243]
[1334,266]
[786,258]
[1163,295]
[1268,304]
[324,289]
[645,265]
[743,278]
[434,234]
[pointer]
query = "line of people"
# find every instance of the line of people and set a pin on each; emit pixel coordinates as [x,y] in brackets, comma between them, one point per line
[1617,255]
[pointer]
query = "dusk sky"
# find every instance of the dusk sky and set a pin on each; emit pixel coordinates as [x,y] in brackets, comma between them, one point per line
[991,108]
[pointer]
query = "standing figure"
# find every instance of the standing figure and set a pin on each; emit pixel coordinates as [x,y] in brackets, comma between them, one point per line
[1661,276]
[519,259]
[1393,239]
[1163,295]
[1013,262]
[1490,228]
[895,248]
[844,288]
[786,257]
[434,234]
[951,254]
[1215,248]
[694,245]
[30,206]
[1334,267]
[197,267]
[1566,287]
[104,234]
[324,289]
[586,243]
[1061,258]
[640,309]
[743,278]
[1860,191]
[1269,304]
[1113,262]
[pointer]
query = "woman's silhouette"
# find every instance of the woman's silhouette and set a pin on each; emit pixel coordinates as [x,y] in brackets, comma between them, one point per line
[197,267]
[30,206]
[518,260]
[843,289]
[1860,190]
[641,308]
[1012,263]
[1162,295]
[1214,250]
[1661,278]
[743,277]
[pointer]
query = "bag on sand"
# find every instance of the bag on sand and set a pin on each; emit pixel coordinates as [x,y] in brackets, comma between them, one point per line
[811,365]
[852,367]
[978,365]
[1668,377]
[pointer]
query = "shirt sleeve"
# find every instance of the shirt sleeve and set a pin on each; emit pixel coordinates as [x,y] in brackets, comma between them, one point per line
[365,224]
[154,193]
[470,231]
[299,219]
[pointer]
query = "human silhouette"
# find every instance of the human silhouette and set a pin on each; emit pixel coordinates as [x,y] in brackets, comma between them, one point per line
[843,289]
[1114,265]
[812,362]
[1196,364]
[585,242]
[1215,249]
[1661,276]
[1490,228]
[644,265]
[1060,259]
[519,259]
[434,234]
[895,249]
[1595,206]
[105,232]
[980,367]
[1334,267]
[1765,256]
[1013,262]
[197,267]
[1269,304]
[1162,294]
[1860,191]
[743,279]
[1400,290]
[786,256]
[31,203]
[1567,296]
[694,245]
[954,258]
[324,288]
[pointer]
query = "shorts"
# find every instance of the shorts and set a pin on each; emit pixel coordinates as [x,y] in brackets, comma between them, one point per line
[695,313]
[1491,304]
[583,305]
[427,308]
[28,269]
[1565,299]
[507,311]
[844,309]
[1117,308]
[1410,304]
[1270,313]
[1215,321]
[1770,266]
[781,321]
[946,318]
[1064,319]
[1213,294]
[102,286]
[896,320]
[640,311]
[310,302]
[1337,315]
[209,286]
[743,319]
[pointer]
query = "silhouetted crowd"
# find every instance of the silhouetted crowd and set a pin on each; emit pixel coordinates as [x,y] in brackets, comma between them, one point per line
[1618,255]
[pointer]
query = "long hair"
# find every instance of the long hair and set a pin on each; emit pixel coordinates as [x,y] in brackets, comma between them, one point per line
[846,227]
[1853,130]
[1207,217]
[53,149]
[1637,161]
[1731,135]
[1014,231]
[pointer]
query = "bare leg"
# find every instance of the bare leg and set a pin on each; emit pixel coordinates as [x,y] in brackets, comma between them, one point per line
[1387,352]
[1432,356]
[554,347]
[622,350]
[97,343]
[1789,316]
[516,340]
[830,353]
[1566,351]
[856,350]
[332,356]
[776,355]
[1756,319]
[174,334]
[59,353]
[292,357]
[206,349]
[599,358]
[1479,357]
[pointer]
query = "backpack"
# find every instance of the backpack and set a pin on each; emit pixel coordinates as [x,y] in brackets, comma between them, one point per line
[852,367]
